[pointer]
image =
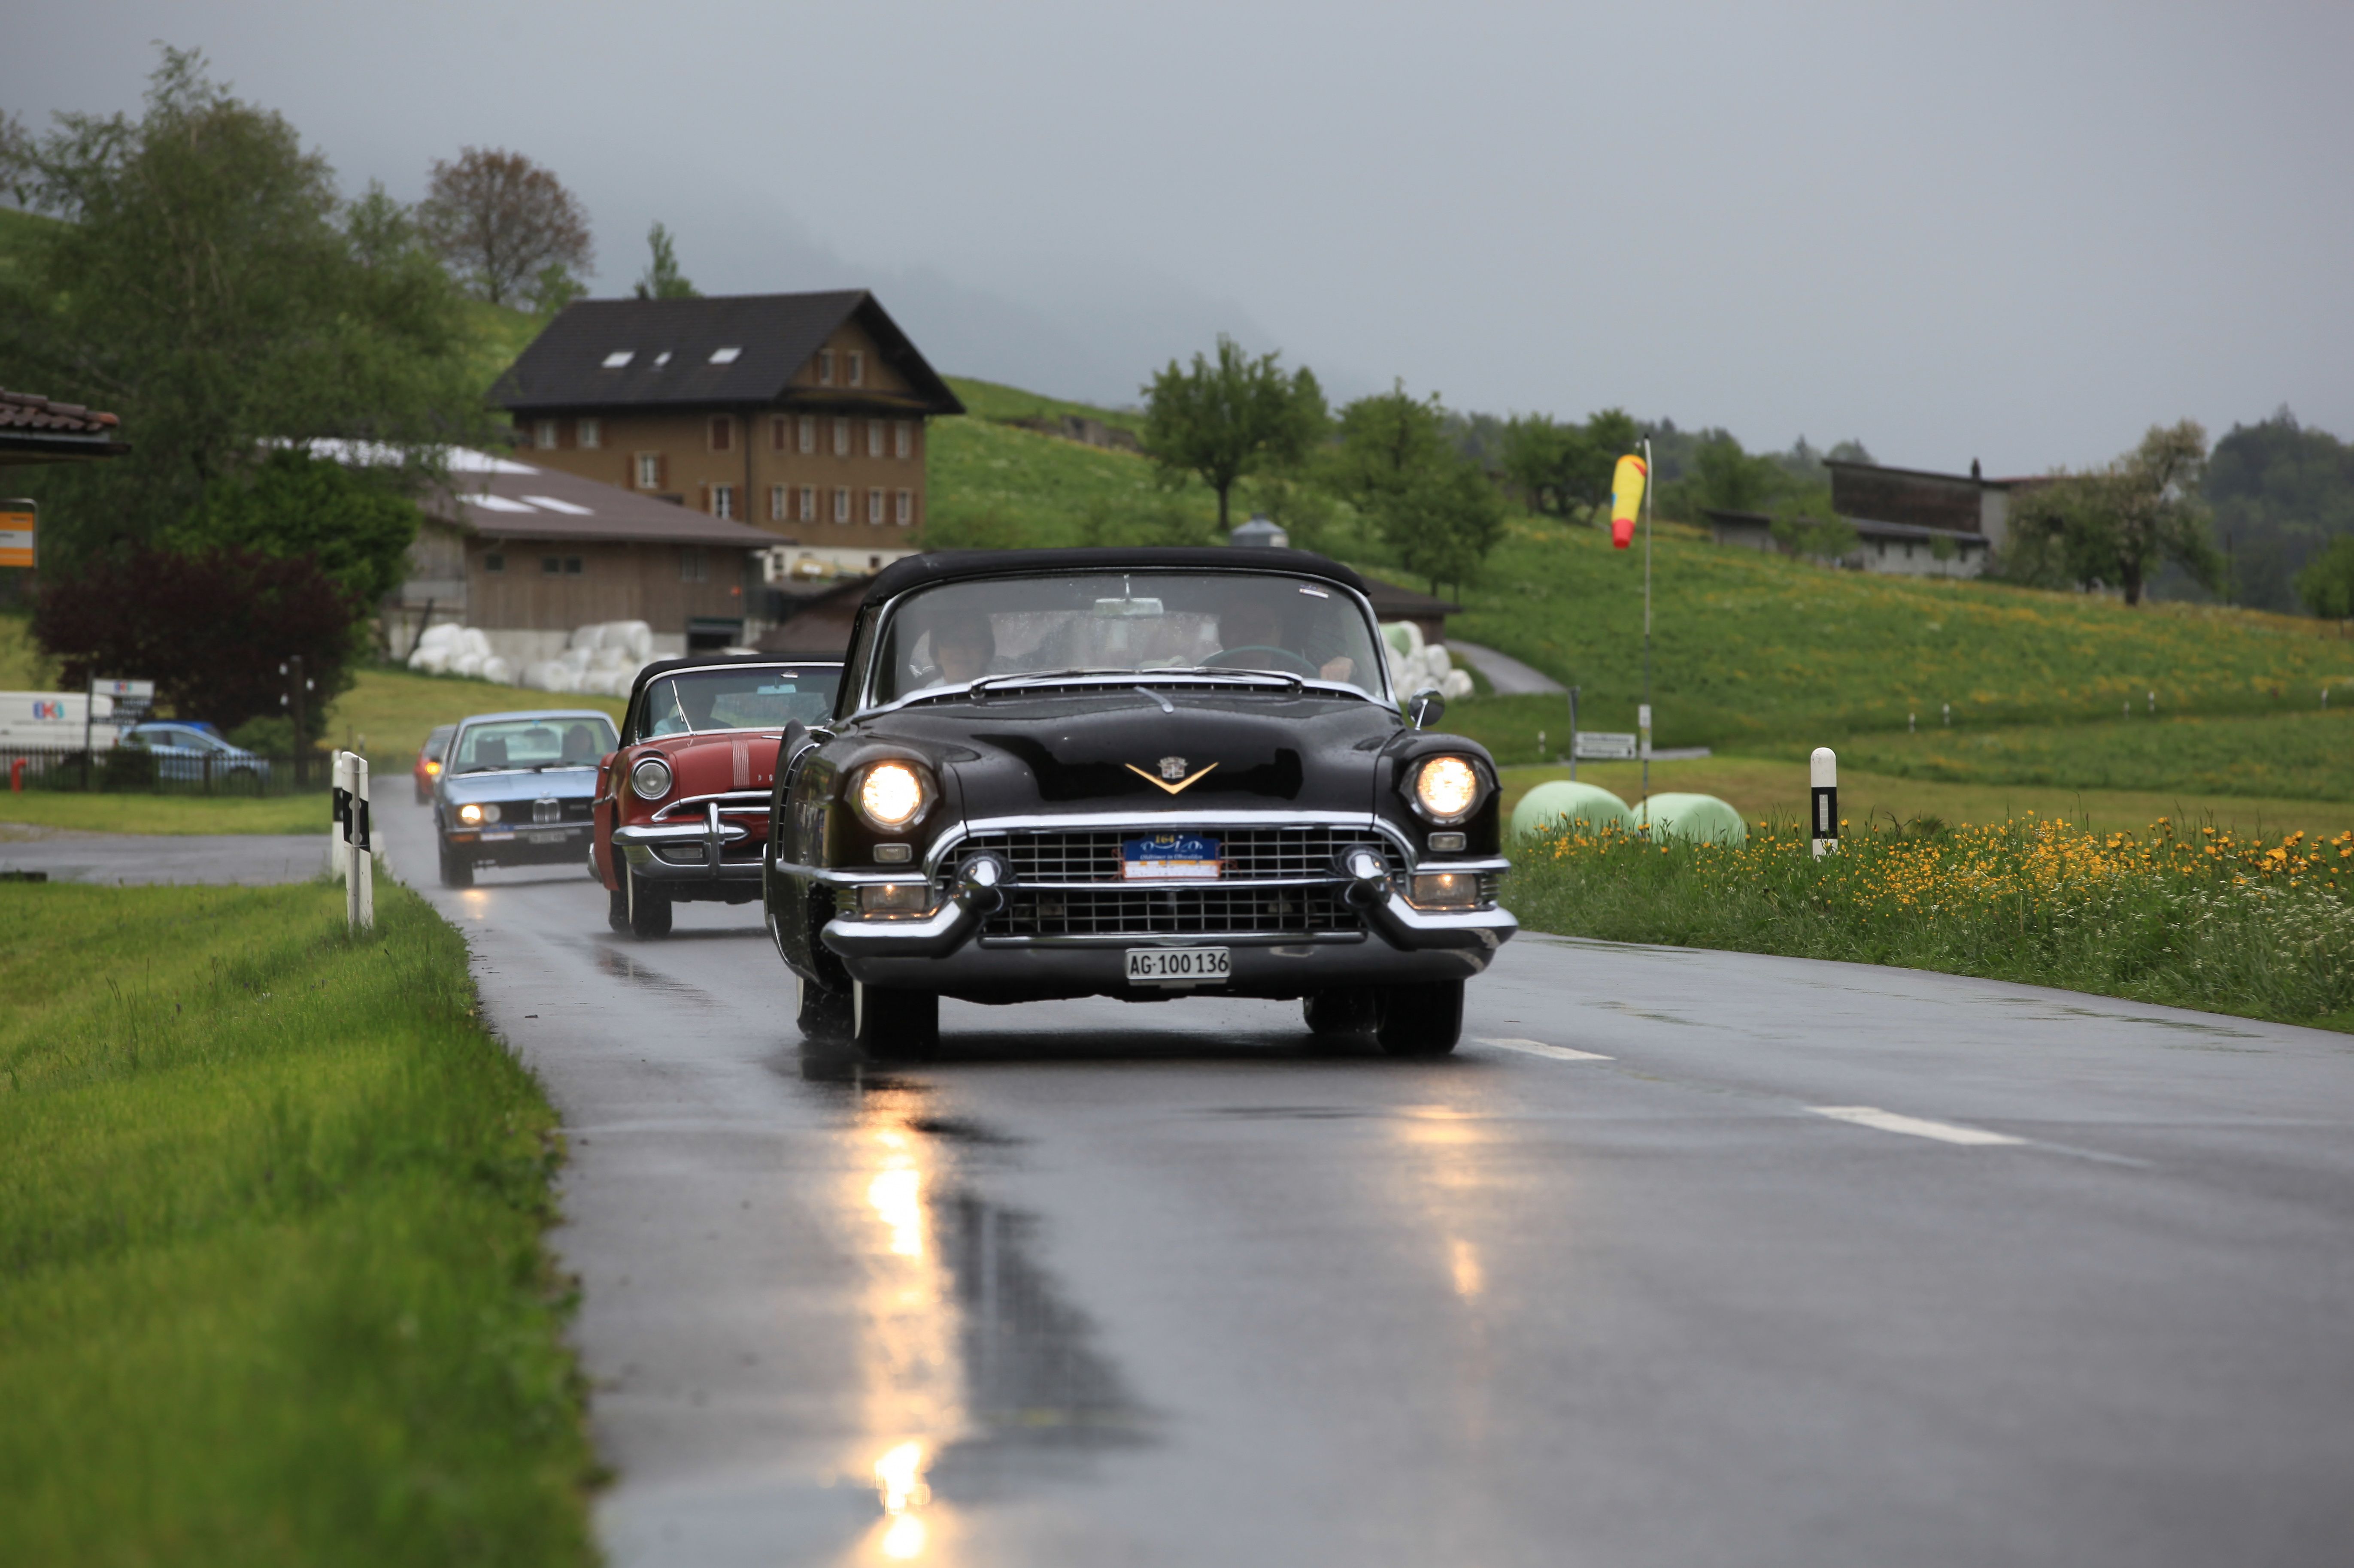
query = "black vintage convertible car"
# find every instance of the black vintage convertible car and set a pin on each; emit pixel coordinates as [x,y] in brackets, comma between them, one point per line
[1137,773]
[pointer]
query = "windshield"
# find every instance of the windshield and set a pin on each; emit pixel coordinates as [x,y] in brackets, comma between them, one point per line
[1121,622]
[759,697]
[573,740]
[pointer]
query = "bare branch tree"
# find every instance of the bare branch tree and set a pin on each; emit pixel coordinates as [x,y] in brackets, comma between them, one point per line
[499,221]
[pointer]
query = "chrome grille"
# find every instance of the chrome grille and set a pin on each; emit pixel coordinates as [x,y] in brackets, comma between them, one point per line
[1251,854]
[1203,911]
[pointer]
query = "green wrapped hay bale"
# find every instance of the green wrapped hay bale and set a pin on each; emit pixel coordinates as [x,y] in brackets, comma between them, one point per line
[1559,803]
[1702,818]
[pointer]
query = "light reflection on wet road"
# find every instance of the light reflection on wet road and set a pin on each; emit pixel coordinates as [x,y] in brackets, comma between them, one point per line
[1174,1284]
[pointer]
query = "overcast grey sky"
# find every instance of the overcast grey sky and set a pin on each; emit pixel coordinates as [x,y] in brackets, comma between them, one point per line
[2021,233]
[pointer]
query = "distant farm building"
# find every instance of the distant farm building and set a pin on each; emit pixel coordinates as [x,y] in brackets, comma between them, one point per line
[1907,521]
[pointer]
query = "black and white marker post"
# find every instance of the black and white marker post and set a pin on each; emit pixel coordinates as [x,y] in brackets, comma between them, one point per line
[349,851]
[1822,773]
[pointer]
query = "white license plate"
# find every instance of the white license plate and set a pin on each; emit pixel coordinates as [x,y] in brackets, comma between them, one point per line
[1177,966]
[547,836]
[497,835]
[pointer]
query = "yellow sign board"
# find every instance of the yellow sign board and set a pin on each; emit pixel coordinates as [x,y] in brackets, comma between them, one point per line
[16,521]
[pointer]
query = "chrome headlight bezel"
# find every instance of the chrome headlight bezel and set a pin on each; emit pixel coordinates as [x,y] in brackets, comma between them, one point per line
[651,778]
[1417,790]
[927,792]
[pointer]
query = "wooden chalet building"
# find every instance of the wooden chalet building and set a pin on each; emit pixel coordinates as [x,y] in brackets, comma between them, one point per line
[803,414]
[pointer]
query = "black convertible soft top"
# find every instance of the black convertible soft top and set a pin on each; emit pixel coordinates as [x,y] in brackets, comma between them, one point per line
[943,566]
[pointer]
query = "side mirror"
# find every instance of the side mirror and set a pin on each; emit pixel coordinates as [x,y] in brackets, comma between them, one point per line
[1427,707]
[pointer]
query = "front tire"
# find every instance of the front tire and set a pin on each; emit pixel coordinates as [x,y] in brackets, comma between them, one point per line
[1421,1020]
[617,908]
[650,910]
[457,868]
[896,1025]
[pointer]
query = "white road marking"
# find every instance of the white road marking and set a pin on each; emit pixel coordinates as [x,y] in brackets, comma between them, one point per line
[1889,1121]
[1539,1048]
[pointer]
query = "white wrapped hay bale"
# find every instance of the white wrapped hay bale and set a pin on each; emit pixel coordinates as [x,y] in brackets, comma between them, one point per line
[498,670]
[1456,684]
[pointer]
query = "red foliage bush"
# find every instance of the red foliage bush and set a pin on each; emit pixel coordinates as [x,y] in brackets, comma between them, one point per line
[210,630]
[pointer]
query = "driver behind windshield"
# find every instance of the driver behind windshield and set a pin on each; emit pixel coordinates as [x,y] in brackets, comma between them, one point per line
[1253,636]
[963,647]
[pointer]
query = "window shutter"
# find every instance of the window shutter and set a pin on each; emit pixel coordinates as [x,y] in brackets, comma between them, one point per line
[662,470]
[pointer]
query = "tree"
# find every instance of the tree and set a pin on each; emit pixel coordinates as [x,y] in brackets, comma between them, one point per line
[500,220]
[1434,507]
[2327,583]
[210,630]
[663,279]
[2281,492]
[1236,415]
[354,525]
[1562,468]
[213,290]
[2120,523]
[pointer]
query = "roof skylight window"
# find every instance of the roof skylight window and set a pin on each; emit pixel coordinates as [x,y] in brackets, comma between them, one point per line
[619,357]
[662,359]
[725,355]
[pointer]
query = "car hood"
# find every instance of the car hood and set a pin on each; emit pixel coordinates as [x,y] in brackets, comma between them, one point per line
[521,784]
[1113,751]
[715,763]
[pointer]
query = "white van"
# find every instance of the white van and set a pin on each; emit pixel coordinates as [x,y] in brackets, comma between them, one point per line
[57,721]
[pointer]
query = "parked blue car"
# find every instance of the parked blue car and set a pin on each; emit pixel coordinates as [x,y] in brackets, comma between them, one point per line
[192,752]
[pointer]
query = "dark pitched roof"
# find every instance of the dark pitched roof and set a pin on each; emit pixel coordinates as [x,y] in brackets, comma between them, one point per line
[671,343]
[40,429]
[943,566]
[1393,602]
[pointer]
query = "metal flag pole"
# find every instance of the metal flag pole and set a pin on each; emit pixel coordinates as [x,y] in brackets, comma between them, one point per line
[1645,714]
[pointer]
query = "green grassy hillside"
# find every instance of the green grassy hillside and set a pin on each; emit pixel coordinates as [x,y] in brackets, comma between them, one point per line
[994,485]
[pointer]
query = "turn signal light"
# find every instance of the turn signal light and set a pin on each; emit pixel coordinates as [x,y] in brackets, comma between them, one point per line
[1445,889]
[889,898]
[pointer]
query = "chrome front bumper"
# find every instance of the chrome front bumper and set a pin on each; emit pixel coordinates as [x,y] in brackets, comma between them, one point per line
[938,951]
[644,847]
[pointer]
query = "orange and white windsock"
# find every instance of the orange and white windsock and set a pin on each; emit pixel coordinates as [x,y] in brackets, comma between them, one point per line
[1627,499]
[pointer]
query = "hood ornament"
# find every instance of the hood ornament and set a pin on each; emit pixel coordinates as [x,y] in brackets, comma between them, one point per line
[1173,777]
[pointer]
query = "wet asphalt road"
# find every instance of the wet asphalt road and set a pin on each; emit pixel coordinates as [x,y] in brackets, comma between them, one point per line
[1165,1285]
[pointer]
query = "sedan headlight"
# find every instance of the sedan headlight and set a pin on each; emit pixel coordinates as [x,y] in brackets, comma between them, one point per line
[892,795]
[474,816]
[1445,789]
[649,777]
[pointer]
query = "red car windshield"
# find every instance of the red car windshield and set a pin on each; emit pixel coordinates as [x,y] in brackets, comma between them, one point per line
[763,697]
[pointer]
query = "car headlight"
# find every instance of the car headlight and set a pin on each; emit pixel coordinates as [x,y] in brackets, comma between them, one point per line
[474,816]
[892,795]
[649,777]
[1445,789]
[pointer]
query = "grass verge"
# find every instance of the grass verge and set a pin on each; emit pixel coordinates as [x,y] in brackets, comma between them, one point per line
[271,1282]
[173,814]
[1771,789]
[2203,919]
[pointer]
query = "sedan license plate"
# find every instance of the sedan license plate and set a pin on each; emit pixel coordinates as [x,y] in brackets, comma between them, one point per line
[1171,857]
[497,835]
[1177,966]
[546,837]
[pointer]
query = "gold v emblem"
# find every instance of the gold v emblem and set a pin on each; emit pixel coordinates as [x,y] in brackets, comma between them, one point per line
[1172,788]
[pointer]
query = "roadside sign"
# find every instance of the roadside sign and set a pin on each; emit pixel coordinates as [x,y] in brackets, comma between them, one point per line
[131,698]
[1604,746]
[18,522]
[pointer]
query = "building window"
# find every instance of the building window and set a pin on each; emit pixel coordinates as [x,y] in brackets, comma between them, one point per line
[903,440]
[723,501]
[825,368]
[874,438]
[574,566]
[857,368]
[723,432]
[550,565]
[495,562]
[693,564]
[874,506]
[543,435]
[592,435]
[842,438]
[779,433]
[649,470]
[777,506]
[809,502]
[906,507]
[841,503]
[809,432]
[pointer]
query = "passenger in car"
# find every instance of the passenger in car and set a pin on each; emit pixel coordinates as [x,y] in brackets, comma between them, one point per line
[1254,625]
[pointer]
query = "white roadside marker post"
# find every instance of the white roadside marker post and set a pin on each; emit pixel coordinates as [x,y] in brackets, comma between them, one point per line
[363,849]
[339,830]
[1822,773]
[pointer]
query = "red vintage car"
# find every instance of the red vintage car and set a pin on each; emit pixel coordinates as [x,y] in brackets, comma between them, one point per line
[681,809]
